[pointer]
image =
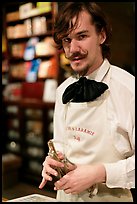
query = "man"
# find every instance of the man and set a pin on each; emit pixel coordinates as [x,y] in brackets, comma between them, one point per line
[97,125]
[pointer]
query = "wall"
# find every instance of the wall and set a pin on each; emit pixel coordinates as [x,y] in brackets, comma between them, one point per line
[122,18]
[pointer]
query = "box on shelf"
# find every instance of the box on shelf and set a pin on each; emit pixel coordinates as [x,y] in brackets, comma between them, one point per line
[24,10]
[39,25]
[12,16]
[50,87]
[32,90]
[48,68]
[44,7]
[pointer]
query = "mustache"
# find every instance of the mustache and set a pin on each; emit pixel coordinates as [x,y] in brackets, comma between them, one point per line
[76,55]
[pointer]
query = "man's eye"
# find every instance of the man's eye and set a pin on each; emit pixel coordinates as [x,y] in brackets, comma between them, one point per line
[66,40]
[81,37]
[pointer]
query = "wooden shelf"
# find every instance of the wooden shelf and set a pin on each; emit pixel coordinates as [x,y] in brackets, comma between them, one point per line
[29,102]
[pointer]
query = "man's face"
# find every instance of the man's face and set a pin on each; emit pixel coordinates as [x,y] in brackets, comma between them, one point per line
[82,46]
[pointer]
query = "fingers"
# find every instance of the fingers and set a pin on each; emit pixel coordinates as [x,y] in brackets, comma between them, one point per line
[64,184]
[42,184]
[60,155]
[69,190]
[61,184]
[49,169]
[52,162]
[46,172]
[71,166]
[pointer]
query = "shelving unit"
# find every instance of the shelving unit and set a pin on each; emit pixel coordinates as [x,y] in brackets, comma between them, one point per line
[29,126]
[36,130]
[28,119]
[20,31]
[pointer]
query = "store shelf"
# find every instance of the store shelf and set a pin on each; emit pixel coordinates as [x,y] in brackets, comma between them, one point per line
[28,120]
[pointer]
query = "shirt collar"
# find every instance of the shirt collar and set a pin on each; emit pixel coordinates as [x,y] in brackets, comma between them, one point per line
[100,73]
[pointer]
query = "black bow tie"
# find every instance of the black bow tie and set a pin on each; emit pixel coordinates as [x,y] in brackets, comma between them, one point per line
[84,90]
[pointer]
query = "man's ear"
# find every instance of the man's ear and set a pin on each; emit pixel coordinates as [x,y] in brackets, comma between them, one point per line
[102,36]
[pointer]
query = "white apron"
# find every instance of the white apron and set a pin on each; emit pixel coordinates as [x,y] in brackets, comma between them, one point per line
[90,140]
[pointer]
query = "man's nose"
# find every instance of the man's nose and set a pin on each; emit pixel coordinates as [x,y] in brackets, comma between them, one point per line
[74,46]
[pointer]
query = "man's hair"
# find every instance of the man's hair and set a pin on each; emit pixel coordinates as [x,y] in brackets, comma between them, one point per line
[69,10]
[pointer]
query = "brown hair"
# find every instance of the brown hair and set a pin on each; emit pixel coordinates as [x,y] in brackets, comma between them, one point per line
[69,10]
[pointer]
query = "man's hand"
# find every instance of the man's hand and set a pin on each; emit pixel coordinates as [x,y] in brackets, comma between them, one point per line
[81,178]
[49,168]
[55,164]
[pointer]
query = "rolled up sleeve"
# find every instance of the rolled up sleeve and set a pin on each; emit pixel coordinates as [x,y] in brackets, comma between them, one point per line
[121,174]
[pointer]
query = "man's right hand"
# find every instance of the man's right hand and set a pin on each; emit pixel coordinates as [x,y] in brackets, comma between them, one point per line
[49,168]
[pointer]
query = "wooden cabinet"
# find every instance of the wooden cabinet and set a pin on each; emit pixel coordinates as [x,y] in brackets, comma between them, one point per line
[36,120]
[29,127]
[13,127]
